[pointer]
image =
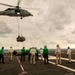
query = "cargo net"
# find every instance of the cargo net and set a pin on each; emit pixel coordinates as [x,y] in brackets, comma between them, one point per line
[20,37]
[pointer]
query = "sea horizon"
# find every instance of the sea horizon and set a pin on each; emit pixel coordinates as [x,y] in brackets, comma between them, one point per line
[50,50]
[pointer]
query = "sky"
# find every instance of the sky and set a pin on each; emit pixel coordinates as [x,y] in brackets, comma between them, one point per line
[53,23]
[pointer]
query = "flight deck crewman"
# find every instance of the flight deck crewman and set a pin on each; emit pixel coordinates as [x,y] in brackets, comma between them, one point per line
[45,54]
[33,55]
[37,52]
[69,54]
[41,53]
[23,53]
[58,54]
[2,55]
[29,54]
[10,53]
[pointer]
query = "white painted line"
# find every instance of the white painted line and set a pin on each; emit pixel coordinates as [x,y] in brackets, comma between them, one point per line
[23,71]
[67,59]
[70,69]
[53,57]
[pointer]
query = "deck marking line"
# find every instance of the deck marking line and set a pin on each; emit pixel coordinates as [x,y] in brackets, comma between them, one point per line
[73,70]
[23,71]
[50,57]
[70,69]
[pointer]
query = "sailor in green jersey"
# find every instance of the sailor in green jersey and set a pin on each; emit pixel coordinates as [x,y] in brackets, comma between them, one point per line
[29,54]
[2,55]
[23,53]
[45,54]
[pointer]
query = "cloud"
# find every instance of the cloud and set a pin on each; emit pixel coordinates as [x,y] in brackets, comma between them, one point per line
[73,32]
[70,41]
[4,29]
[70,38]
[49,25]
[59,18]
[52,15]
[31,3]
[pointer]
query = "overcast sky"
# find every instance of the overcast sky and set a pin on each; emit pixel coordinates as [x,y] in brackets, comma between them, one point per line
[53,23]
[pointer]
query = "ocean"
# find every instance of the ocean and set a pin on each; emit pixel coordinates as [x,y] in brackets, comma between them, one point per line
[50,50]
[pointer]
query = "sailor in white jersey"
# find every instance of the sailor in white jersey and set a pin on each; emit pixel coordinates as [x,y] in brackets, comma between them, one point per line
[58,54]
[33,54]
[10,53]
[69,54]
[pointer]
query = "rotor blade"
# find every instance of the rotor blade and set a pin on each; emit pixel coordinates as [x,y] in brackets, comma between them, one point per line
[18,3]
[33,8]
[6,5]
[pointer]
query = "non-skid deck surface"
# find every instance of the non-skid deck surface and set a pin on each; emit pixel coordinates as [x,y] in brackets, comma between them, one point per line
[13,67]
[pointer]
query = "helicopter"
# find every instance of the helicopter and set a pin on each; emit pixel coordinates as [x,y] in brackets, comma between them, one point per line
[15,11]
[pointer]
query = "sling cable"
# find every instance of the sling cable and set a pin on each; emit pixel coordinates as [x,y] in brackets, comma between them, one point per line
[20,38]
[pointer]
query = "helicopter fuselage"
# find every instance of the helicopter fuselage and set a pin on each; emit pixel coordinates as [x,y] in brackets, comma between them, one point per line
[14,12]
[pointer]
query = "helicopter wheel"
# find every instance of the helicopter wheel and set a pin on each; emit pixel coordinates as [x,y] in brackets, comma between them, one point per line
[20,17]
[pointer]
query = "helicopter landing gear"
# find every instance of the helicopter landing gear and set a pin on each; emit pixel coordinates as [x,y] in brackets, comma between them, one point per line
[21,17]
[31,15]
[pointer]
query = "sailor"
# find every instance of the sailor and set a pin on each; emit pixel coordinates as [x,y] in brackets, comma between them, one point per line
[10,53]
[69,54]
[45,54]
[23,53]
[41,53]
[36,53]
[58,54]
[33,53]
[2,55]
[29,54]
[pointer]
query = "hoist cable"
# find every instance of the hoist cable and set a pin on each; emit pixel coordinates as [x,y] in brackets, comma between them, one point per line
[19,31]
